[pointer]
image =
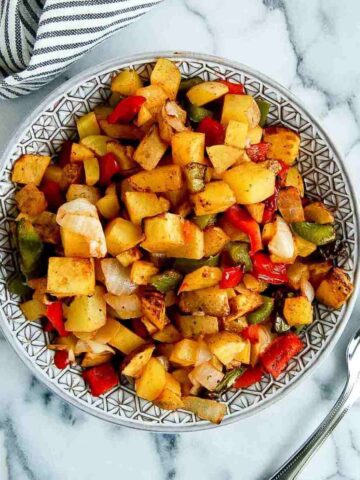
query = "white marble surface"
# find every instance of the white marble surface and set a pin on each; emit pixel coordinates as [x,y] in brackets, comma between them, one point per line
[311,47]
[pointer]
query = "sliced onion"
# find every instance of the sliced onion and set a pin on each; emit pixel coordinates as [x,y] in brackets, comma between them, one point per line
[125,306]
[203,353]
[117,277]
[97,347]
[207,375]
[282,244]
[307,289]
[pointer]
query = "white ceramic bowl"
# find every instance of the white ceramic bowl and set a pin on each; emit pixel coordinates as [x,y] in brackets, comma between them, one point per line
[325,177]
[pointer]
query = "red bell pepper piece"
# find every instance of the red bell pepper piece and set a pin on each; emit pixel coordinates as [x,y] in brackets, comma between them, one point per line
[53,194]
[258,151]
[268,271]
[47,326]
[278,354]
[126,110]
[271,203]
[65,153]
[242,220]
[249,377]
[282,174]
[214,131]
[231,276]
[251,333]
[234,88]
[100,378]
[61,359]
[54,314]
[108,168]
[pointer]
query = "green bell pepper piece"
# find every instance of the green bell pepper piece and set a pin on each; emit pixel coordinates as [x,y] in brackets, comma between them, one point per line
[314,232]
[167,280]
[188,83]
[203,221]
[264,108]
[31,247]
[195,176]
[196,114]
[17,286]
[261,313]
[228,380]
[239,254]
[187,265]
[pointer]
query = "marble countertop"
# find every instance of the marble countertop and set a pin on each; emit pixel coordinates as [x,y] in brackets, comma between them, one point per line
[311,47]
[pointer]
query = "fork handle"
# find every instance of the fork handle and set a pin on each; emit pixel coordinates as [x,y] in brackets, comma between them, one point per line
[291,469]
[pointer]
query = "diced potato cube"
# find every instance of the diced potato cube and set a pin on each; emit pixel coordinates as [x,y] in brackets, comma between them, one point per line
[129,256]
[206,92]
[150,150]
[318,271]
[245,302]
[217,197]
[194,325]
[236,134]
[256,210]
[255,135]
[167,76]
[141,272]
[296,273]
[30,200]
[95,359]
[125,340]
[74,245]
[290,205]
[33,310]
[211,301]
[142,204]
[153,308]
[234,323]
[79,153]
[184,353]
[71,276]
[135,362]
[155,98]
[162,179]
[87,313]
[215,240]
[126,83]
[87,125]
[225,345]
[96,143]
[120,131]
[109,206]
[294,179]
[92,194]
[152,381]
[193,246]
[123,154]
[242,108]
[30,169]
[168,400]
[245,355]
[162,232]
[188,147]
[303,247]
[284,144]
[120,235]
[250,182]
[92,171]
[107,331]
[298,311]
[168,335]
[335,289]
[253,284]
[203,277]
[223,156]
[317,212]
[206,409]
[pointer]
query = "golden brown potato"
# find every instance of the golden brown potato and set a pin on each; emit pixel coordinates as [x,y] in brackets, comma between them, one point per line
[256,210]
[152,381]
[215,240]
[211,301]
[87,125]
[217,197]
[184,353]
[298,311]
[93,359]
[206,92]
[121,234]
[129,256]
[203,277]
[30,169]
[71,276]
[87,313]
[317,212]
[142,204]
[119,131]
[126,82]
[167,76]
[92,194]
[233,323]
[46,226]
[96,143]
[290,205]
[79,153]
[162,179]
[241,108]
[74,245]
[294,179]
[225,345]
[72,173]
[335,289]
[155,98]
[125,340]
[92,171]
[188,147]
[168,335]
[124,155]
[236,134]
[33,310]
[142,271]
[153,308]
[284,144]
[255,135]
[193,246]
[194,325]
[30,200]
[318,271]
[245,303]
[223,156]
[163,232]
[150,150]
[134,363]
[169,400]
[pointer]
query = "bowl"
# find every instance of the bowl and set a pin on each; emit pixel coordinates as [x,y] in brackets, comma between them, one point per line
[325,178]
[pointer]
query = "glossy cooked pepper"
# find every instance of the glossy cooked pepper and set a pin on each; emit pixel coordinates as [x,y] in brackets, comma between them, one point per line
[196,114]
[264,108]
[166,281]
[266,270]
[195,176]
[203,221]
[262,313]
[271,203]
[100,378]
[258,151]
[314,232]
[17,286]
[54,314]
[228,380]
[126,110]
[31,248]
[61,359]
[251,333]
[53,194]
[249,377]
[65,153]
[109,167]
[213,130]
[234,88]
[231,276]
[242,220]
[239,254]
[280,351]
[188,83]
[187,265]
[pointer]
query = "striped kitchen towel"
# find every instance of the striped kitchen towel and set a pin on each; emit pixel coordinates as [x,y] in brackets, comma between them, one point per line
[41,38]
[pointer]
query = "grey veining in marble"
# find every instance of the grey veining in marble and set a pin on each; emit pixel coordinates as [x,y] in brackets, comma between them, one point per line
[311,47]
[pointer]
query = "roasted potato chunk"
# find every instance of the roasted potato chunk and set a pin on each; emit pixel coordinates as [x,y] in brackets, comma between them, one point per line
[71,276]
[135,362]
[30,200]
[30,169]
[335,289]
[284,144]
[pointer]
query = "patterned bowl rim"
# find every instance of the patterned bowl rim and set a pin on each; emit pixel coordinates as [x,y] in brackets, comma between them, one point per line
[79,79]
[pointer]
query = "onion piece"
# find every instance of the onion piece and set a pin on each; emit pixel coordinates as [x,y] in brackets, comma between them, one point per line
[207,375]
[282,243]
[117,277]
[125,306]
[307,289]
[203,353]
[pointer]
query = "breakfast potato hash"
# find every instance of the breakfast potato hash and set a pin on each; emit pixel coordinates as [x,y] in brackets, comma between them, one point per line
[172,242]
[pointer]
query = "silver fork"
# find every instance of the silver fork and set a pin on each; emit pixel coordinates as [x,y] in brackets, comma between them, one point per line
[349,395]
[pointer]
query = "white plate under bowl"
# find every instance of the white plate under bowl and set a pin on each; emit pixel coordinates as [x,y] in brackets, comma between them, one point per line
[325,178]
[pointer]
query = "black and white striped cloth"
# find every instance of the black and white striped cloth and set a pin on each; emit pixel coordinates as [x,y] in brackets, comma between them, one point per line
[41,38]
